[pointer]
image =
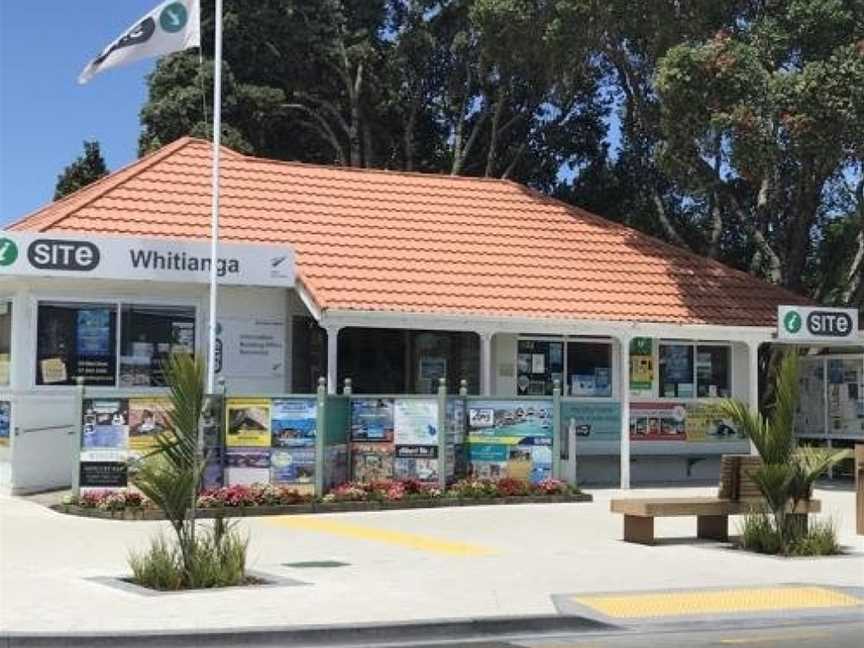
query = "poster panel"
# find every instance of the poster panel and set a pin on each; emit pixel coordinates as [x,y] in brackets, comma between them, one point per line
[705,421]
[105,424]
[292,465]
[102,475]
[845,398]
[213,476]
[510,418]
[372,461]
[246,466]
[147,420]
[293,422]
[657,422]
[372,419]
[5,422]
[335,465]
[247,422]
[591,421]
[415,422]
[810,417]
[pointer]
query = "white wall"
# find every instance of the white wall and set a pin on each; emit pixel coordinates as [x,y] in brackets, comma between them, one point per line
[42,453]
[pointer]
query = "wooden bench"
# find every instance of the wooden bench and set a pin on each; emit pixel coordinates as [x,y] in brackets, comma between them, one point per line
[737,495]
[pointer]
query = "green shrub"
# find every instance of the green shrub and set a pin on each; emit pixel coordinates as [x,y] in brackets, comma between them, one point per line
[216,559]
[758,534]
[820,540]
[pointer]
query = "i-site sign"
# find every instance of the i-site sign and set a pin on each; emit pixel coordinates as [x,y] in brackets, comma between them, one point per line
[27,254]
[817,323]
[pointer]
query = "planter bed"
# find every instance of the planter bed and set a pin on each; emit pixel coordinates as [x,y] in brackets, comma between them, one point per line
[141,513]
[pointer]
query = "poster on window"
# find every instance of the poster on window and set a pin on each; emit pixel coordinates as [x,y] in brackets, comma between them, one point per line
[250,347]
[641,366]
[372,419]
[415,421]
[147,419]
[5,422]
[293,422]
[247,422]
[372,461]
[591,422]
[292,465]
[246,466]
[105,424]
[657,422]
[93,332]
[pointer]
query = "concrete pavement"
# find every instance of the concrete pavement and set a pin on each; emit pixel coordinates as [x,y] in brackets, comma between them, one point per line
[396,566]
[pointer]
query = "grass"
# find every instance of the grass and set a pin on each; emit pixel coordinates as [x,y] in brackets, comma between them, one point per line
[217,559]
[759,534]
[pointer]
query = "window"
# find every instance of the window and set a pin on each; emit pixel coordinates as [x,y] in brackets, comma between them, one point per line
[539,364]
[689,371]
[149,335]
[589,369]
[76,340]
[5,341]
[712,372]
[80,340]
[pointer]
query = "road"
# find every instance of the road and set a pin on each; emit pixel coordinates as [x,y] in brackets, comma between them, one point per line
[833,635]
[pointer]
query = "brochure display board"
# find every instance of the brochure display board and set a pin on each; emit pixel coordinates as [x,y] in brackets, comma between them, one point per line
[831,403]
[510,438]
[336,441]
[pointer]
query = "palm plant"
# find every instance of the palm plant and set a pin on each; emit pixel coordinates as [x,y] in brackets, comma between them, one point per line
[788,472]
[170,475]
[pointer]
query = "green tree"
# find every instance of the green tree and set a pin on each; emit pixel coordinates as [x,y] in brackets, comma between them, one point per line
[88,167]
[777,98]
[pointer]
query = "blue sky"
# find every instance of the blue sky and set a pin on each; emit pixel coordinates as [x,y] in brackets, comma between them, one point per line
[44,114]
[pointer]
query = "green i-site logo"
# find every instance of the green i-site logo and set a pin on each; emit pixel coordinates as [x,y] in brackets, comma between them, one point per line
[792,322]
[173,17]
[8,252]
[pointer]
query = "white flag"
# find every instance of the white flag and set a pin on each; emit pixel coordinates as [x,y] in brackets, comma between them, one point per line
[172,26]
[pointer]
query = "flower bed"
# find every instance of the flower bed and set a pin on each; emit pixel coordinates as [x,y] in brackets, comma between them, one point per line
[267,499]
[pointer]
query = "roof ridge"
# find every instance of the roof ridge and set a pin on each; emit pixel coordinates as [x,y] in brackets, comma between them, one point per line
[390,172]
[91,192]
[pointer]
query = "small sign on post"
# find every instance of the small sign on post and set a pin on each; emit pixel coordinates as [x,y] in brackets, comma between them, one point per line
[799,323]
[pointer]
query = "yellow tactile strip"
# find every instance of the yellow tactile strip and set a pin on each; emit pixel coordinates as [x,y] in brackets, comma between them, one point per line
[385,536]
[717,601]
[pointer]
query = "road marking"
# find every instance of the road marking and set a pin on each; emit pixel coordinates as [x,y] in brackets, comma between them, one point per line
[766,639]
[359,532]
[716,601]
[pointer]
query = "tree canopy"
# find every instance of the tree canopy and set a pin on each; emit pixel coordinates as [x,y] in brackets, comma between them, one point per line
[733,128]
[87,168]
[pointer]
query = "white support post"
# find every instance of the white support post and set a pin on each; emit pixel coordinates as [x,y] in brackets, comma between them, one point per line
[753,382]
[332,358]
[624,341]
[485,363]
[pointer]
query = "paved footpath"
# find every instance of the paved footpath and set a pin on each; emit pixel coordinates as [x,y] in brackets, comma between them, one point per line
[407,566]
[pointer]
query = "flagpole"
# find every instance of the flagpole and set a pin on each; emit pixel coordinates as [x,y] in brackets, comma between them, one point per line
[214,217]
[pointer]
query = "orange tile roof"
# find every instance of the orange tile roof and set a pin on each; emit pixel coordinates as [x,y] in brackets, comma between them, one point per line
[419,243]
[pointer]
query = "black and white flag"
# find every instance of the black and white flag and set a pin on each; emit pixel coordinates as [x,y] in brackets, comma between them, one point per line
[172,26]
